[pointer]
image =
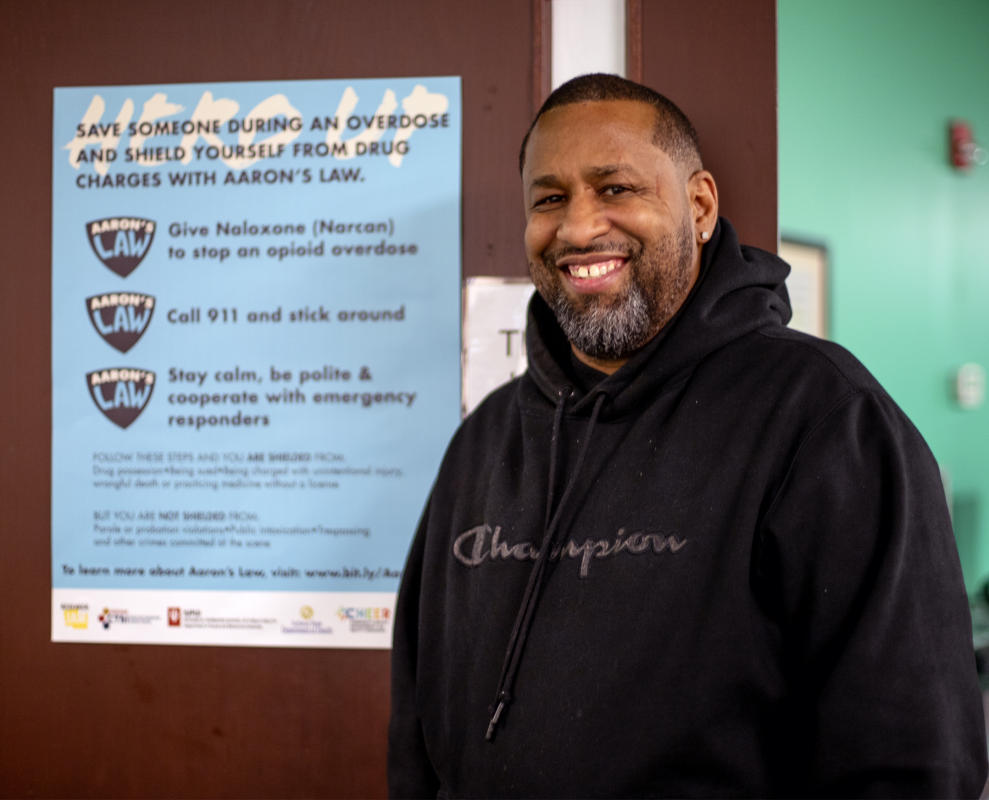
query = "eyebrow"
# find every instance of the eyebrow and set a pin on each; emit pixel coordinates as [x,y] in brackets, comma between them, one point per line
[609,169]
[595,173]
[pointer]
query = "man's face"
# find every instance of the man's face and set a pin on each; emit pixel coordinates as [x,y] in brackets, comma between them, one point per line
[609,233]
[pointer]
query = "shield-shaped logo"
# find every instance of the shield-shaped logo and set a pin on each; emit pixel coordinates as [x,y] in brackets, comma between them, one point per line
[121,393]
[121,242]
[121,318]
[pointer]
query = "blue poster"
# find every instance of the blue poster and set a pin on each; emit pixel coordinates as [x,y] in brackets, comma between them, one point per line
[255,354]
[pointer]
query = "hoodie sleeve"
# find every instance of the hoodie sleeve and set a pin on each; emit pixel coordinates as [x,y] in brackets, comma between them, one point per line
[410,773]
[884,699]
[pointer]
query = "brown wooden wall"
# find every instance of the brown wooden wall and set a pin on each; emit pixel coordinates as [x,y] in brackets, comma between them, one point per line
[719,65]
[148,721]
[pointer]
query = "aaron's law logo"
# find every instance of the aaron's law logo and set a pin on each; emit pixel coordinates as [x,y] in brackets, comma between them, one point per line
[120,318]
[121,393]
[121,243]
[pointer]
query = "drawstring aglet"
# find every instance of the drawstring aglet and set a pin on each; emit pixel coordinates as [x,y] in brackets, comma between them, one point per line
[502,702]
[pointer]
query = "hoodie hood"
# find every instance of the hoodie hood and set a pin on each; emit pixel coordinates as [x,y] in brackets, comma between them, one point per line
[739,289]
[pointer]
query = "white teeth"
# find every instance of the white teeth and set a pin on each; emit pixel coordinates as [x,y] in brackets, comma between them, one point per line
[594,270]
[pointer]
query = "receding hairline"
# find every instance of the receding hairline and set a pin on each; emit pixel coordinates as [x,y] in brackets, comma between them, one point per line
[673,132]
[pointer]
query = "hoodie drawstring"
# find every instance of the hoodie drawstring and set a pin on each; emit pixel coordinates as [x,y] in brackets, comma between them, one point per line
[533,588]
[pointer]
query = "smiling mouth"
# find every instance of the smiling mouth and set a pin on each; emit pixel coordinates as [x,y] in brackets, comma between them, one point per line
[596,270]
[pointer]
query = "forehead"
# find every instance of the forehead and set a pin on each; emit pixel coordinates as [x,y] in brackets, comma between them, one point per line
[591,134]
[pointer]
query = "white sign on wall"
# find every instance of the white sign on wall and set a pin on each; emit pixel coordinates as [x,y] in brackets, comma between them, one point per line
[494,335]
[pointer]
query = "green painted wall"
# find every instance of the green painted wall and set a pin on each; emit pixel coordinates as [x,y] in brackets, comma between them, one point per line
[866,90]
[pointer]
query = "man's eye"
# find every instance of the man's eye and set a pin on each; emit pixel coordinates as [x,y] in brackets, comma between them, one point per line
[548,200]
[616,189]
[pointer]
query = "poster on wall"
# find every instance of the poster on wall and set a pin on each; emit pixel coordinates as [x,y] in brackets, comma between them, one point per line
[255,354]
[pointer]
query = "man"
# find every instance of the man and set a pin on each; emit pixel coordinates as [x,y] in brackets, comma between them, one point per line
[690,552]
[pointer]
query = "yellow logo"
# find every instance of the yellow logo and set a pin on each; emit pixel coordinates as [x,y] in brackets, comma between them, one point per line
[306,612]
[76,618]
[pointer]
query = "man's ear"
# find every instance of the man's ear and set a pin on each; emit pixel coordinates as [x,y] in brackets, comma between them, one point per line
[702,192]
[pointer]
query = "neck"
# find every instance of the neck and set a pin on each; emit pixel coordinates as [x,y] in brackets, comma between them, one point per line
[606,365]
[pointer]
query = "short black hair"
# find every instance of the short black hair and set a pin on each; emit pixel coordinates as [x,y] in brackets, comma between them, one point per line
[674,133]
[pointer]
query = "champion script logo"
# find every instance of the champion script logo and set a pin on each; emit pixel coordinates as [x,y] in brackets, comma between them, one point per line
[482,543]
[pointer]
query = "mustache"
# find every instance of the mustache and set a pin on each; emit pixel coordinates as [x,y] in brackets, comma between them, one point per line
[624,249]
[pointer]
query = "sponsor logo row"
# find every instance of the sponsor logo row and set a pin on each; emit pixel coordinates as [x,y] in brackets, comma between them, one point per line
[355,619]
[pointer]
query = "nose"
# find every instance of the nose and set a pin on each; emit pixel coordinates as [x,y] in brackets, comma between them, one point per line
[583,221]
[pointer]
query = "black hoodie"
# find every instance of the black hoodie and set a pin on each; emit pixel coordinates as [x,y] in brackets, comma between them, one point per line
[726,570]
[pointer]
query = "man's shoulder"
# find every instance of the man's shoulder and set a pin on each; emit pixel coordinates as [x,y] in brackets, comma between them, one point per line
[496,403]
[804,359]
[490,416]
[794,376]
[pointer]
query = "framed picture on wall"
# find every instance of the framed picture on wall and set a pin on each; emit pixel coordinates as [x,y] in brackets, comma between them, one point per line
[807,285]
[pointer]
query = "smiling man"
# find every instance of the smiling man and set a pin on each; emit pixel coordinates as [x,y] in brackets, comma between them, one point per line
[691,552]
[611,224]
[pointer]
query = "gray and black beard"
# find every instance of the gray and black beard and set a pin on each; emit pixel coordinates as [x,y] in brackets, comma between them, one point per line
[605,330]
[614,328]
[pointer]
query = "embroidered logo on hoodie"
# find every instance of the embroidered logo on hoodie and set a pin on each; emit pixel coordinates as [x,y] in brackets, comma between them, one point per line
[482,543]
